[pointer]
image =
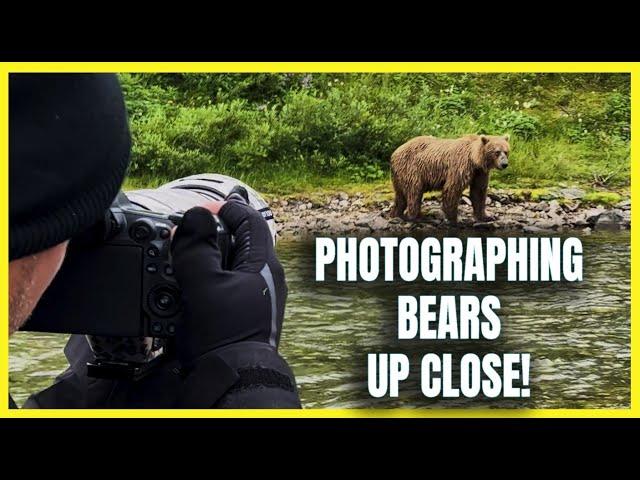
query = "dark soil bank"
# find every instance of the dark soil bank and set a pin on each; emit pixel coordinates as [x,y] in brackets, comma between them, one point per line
[344,214]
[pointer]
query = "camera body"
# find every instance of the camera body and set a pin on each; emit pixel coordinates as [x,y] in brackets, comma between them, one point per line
[117,281]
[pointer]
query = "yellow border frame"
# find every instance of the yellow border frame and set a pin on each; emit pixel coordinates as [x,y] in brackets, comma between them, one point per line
[329,67]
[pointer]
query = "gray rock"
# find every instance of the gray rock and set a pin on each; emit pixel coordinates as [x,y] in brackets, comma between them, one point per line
[624,205]
[343,196]
[485,225]
[343,204]
[580,222]
[551,194]
[534,229]
[592,215]
[363,222]
[379,224]
[508,223]
[608,221]
[572,193]
[556,219]
[436,214]
[546,224]
[571,206]
[540,207]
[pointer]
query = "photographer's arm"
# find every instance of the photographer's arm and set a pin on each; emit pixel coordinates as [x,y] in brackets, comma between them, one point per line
[227,342]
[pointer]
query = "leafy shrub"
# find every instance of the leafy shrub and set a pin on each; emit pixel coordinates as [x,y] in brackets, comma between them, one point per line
[518,123]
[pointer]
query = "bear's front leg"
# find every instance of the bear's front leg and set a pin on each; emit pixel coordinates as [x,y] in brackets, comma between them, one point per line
[399,204]
[414,201]
[478,194]
[451,195]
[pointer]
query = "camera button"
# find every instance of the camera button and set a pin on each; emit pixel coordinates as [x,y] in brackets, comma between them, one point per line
[153,252]
[142,231]
[152,268]
[165,233]
[171,328]
[168,270]
[156,327]
[164,300]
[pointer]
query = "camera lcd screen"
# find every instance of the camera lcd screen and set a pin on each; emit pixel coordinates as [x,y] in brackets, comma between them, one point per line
[97,292]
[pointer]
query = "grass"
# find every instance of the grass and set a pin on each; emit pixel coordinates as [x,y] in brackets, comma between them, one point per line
[310,135]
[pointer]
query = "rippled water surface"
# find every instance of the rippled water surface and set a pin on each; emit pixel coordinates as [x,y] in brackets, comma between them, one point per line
[577,334]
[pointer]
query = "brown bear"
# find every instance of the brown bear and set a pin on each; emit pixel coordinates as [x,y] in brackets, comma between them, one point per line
[428,163]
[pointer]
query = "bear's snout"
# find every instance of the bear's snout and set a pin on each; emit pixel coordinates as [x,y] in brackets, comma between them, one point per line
[503,161]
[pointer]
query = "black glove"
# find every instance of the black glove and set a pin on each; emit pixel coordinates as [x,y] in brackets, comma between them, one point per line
[223,307]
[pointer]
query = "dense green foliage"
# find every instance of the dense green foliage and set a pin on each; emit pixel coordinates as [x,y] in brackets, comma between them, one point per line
[292,131]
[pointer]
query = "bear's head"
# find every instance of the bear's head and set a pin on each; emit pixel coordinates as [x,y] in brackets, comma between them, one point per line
[495,151]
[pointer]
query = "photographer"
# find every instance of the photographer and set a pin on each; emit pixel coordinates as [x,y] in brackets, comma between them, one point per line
[69,150]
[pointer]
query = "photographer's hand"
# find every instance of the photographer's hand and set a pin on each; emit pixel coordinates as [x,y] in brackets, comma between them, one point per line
[233,315]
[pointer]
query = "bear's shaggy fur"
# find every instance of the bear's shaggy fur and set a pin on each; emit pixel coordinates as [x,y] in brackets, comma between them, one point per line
[428,163]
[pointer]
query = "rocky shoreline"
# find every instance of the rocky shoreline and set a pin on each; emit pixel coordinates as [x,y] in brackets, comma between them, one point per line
[341,214]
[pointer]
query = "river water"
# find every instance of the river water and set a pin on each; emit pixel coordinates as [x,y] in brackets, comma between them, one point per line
[578,335]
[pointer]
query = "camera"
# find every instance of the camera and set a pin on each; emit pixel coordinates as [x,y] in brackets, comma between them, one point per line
[117,283]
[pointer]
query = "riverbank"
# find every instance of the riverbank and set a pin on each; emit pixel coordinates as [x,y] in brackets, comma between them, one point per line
[530,212]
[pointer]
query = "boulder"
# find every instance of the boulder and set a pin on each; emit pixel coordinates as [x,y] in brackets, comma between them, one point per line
[547,224]
[624,205]
[592,215]
[540,207]
[379,224]
[608,221]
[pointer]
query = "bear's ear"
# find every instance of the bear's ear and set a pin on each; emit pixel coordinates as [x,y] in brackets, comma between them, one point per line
[507,137]
[484,139]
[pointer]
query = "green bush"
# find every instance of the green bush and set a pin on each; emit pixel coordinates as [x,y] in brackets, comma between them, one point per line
[517,123]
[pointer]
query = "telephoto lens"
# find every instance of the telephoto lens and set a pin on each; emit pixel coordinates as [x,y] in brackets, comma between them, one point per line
[180,195]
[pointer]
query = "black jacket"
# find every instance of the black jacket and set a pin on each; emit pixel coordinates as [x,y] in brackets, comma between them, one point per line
[241,375]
